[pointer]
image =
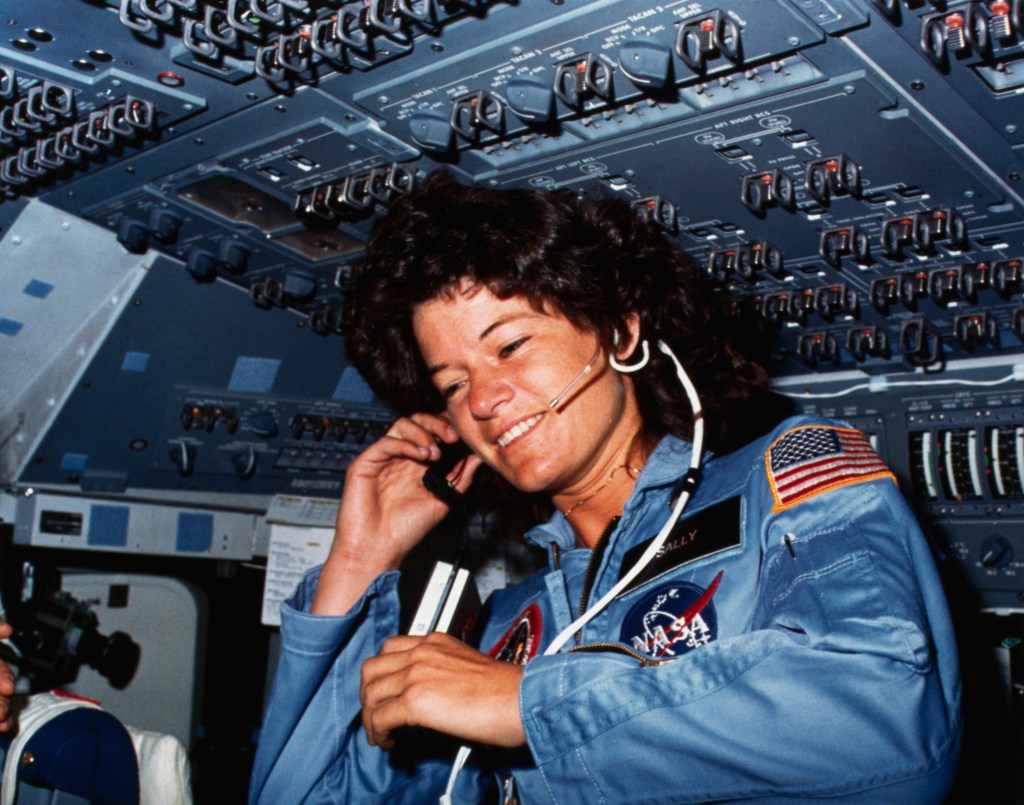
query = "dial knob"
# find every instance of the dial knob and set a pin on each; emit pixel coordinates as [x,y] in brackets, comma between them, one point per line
[183,456]
[996,551]
[244,462]
[263,424]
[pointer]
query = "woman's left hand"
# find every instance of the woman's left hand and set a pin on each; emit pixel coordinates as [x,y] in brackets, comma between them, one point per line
[440,683]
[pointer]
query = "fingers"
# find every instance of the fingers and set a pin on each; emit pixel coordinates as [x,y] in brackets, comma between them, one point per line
[418,437]
[400,643]
[384,680]
[386,675]
[425,430]
[437,425]
[398,685]
[442,684]
[414,437]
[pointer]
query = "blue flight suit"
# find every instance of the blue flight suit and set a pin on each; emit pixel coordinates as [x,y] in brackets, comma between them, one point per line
[791,640]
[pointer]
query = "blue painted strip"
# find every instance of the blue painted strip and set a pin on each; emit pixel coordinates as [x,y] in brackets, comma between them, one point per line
[135,362]
[254,374]
[74,462]
[195,532]
[10,326]
[108,526]
[38,289]
[352,388]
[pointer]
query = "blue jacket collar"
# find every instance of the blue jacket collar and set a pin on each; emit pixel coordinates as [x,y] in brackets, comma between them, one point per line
[666,464]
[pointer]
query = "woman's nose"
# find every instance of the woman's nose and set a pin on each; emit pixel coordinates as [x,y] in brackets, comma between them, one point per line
[488,391]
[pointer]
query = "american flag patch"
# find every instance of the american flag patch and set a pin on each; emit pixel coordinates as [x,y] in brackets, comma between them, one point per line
[807,461]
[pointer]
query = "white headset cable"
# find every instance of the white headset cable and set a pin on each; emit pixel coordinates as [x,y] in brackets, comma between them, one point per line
[685,489]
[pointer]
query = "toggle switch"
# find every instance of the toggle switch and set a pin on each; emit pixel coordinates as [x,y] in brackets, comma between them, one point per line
[883,293]
[767,189]
[870,341]
[835,244]
[943,284]
[581,79]
[832,176]
[477,112]
[707,37]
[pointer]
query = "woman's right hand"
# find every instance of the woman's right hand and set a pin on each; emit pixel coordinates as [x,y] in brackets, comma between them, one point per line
[385,509]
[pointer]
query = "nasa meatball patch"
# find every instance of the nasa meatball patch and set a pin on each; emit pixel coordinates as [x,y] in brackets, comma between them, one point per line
[671,620]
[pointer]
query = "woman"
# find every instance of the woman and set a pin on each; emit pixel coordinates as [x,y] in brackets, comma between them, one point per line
[788,639]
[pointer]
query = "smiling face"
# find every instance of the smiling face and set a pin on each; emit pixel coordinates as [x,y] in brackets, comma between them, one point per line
[499,362]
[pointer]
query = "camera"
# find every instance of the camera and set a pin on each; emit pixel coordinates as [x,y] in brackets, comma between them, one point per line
[55,633]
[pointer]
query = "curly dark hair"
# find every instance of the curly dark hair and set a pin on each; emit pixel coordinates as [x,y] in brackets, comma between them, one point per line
[592,260]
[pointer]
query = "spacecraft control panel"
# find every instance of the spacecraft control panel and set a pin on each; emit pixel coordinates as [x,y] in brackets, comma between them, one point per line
[186,184]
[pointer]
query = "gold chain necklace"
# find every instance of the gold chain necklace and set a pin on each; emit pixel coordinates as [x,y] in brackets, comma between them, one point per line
[633,472]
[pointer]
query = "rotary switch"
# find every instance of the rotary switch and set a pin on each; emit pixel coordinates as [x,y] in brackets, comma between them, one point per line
[431,131]
[531,100]
[996,551]
[244,463]
[262,423]
[183,456]
[646,63]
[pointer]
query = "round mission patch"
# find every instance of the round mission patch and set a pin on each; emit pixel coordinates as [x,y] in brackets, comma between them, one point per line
[671,619]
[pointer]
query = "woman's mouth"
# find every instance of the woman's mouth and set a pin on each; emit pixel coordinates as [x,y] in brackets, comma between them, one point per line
[517,430]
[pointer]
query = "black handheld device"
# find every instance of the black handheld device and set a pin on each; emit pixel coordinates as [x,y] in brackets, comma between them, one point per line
[436,477]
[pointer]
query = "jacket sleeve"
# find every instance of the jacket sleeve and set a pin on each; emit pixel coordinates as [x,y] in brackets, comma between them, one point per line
[312,746]
[835,689]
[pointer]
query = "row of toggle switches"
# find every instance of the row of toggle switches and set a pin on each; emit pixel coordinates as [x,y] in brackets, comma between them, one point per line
[582,82]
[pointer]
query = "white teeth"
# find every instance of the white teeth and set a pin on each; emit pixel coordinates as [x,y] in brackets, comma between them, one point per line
[517,430]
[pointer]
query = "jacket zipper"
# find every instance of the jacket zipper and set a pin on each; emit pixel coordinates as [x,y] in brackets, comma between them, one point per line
[591,572]
[645,661]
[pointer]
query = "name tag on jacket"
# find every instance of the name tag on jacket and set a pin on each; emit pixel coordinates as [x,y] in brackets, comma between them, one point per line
[709,531]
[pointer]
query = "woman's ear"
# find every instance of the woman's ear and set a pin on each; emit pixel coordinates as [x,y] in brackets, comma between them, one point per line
[622,350]
[621,353]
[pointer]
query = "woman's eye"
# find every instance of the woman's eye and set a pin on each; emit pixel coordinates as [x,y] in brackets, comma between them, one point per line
[449,391]
[508,349]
